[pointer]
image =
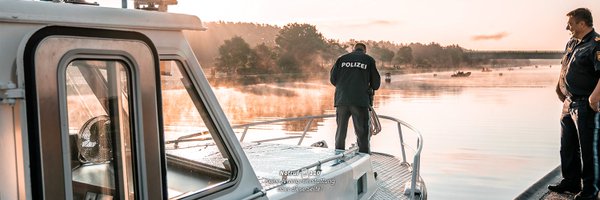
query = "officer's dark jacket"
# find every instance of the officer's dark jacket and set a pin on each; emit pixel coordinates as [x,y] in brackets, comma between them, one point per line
[352,75]
[581,66]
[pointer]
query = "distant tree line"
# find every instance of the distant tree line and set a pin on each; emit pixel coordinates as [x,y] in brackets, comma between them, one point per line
[300,51]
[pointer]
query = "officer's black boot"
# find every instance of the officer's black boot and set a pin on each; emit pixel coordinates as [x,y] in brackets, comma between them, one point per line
[588,193]
[582,196]
[565,186]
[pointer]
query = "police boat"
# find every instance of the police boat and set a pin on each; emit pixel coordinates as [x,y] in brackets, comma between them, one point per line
[93,106]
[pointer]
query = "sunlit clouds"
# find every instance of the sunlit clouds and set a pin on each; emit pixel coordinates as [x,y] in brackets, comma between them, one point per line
[361,23]
[497,36]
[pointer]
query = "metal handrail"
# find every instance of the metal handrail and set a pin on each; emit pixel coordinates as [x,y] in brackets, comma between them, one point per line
[310,118]
[416,158]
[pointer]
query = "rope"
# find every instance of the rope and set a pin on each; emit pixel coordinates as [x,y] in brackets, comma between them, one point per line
[374,125]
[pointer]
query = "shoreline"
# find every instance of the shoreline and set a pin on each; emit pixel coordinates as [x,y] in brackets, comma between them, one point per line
[256,79]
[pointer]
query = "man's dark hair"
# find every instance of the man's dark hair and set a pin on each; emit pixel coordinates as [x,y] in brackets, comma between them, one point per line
[360,46]
[582,14]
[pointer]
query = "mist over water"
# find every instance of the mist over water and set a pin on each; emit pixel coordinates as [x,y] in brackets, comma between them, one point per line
[486,136]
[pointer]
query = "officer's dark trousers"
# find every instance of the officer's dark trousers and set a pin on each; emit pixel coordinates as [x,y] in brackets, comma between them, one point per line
[360,119]
[579,144]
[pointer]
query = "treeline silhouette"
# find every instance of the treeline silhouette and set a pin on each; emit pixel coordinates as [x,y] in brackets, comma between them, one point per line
[248,53]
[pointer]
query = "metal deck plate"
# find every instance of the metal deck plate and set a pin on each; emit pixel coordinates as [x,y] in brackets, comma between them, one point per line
[392,176]
[557,196]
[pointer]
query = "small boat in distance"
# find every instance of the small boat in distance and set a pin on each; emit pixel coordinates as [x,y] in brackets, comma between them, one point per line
[461,74]
[486,69]
[388,77]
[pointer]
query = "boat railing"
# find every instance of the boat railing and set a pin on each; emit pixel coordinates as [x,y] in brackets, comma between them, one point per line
[415,174]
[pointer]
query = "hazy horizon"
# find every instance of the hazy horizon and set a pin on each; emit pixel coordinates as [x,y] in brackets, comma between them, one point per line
[471,24]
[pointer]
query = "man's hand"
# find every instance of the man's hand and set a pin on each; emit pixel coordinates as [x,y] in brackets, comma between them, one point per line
[594,104]
[561,96]
[595,98]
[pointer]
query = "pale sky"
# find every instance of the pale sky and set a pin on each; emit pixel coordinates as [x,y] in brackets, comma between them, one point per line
[472,24]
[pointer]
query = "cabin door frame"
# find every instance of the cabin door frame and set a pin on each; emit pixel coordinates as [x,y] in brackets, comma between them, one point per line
[46,55]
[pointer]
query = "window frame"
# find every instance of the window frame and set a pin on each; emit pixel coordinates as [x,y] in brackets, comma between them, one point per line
[127,62]
[213,124]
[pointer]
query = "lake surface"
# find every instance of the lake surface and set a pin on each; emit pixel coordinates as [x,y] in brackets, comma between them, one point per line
[485,136]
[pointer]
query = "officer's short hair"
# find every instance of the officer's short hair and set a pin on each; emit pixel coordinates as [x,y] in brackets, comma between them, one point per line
[582,14]
[360,46]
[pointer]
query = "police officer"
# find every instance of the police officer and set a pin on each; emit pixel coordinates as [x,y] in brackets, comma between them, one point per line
[354,75]
[579,90]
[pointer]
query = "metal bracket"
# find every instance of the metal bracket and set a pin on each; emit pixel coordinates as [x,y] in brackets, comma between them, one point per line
[9,93]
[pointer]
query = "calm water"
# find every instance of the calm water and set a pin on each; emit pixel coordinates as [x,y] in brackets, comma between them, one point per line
[485,136]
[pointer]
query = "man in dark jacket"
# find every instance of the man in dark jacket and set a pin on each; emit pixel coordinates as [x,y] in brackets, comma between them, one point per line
[354,76]
[579,89]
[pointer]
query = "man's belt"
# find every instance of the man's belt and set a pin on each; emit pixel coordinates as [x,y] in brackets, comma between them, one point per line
[578,98]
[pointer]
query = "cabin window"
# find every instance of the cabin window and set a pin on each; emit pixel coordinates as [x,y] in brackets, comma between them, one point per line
[196,156]
[100,129]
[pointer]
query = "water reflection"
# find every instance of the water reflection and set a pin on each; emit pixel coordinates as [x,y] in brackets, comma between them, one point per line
[486,136]
[269,101]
